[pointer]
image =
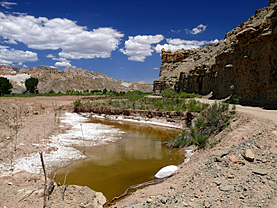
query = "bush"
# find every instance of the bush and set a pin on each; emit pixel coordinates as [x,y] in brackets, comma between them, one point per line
[51,92]
[5,86]
[169,93]
[211,121]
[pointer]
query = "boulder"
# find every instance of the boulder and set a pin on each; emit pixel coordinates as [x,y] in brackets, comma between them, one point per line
[166,171]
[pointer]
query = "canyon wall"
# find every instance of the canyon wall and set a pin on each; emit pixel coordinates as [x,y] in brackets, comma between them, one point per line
[242,64]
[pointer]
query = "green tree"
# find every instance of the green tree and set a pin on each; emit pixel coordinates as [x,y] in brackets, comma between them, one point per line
[5,86]
[31,84]
[105,91]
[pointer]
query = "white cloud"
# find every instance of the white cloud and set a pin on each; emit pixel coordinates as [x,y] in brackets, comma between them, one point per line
[177,43]
[139,47]
[9,55]
[50,56]
[7,5]
[10,41]
[200,28]
[156,68]
[175,31]
[63,64]
[75,41]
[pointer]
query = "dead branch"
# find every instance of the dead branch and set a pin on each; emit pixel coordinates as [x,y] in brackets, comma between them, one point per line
[45,178]
[152,182]
[27,195]
[64,191]
[50,186]
[65,178]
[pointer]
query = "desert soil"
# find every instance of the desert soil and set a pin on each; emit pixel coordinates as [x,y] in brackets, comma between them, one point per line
[209,179]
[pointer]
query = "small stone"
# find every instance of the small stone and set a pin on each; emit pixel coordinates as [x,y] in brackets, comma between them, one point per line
[171,187]
[206,204]
[191,200]
[185,204]
[233,159]
[231,176]
[10,183]
[249,155]
[217,182]
[149,200]
[225,187]
[218,159]
[260,171]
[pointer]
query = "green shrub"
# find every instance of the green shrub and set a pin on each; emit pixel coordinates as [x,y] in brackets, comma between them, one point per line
[211,120]
[5,86]
[169,93]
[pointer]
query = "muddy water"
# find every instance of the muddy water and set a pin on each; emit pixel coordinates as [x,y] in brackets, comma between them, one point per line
[134,159]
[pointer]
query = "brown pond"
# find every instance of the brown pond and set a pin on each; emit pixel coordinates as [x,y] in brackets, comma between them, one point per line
[134,159]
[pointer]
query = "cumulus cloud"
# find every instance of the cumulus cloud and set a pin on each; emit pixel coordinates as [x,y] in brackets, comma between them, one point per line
[139,47]
[63,64]
[177,43]
[7,5]
[9,55]
[75,41]
[200,28]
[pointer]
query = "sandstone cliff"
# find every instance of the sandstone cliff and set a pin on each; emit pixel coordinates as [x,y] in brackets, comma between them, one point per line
[70,79]
[243,63]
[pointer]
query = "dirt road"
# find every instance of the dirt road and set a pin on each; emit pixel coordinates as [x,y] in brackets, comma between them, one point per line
[254,111]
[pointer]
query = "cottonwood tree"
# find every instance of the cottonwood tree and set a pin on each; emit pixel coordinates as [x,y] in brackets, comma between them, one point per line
[31,84]
[5,86]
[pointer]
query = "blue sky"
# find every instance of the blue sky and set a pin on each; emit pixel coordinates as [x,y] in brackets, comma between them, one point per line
[121,38]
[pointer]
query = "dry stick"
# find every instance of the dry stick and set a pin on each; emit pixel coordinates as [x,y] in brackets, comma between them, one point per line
[65,178]
[27,195]
[65,185]
[45,186]
[155,181]
[83,140]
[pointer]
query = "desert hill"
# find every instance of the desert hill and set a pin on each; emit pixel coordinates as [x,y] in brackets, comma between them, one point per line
[70,79]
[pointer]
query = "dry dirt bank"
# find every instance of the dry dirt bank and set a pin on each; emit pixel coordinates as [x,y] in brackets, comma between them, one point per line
[209,179]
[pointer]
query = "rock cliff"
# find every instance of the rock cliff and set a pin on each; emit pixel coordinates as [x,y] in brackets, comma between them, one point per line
[242,64]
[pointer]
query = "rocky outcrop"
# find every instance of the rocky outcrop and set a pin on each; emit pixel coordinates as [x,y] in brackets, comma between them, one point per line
[243,63]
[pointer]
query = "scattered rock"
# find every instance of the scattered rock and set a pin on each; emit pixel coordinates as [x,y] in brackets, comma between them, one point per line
[226,188]
[260,171]
[249,155]
[233,159]
[149,200]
